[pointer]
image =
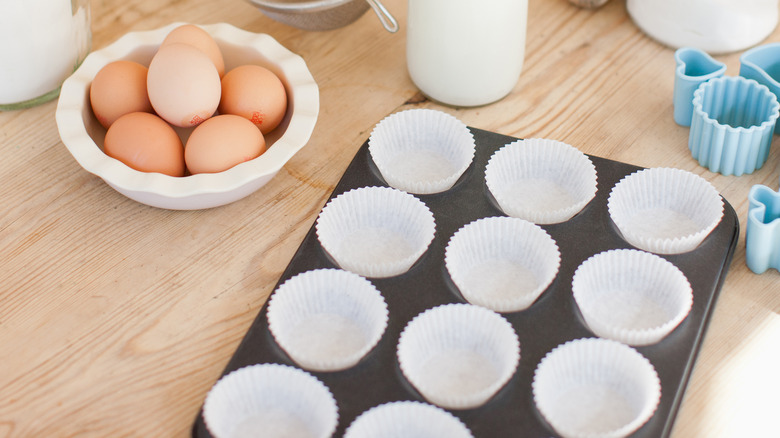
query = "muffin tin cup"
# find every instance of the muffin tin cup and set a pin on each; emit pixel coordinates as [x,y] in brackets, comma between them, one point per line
[278,400]
[631,296]
[458,355]
[665,210]
[327,319]
[589,388]
[421,151]
[502,263]
[732,125]
[375,231]
[404,419]
[540,180]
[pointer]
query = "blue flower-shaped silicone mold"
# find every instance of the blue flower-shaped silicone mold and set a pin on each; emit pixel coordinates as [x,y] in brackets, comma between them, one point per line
[762,235]
[732,126]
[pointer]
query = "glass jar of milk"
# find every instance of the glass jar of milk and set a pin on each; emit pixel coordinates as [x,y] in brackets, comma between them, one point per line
[466,52]
[41,43]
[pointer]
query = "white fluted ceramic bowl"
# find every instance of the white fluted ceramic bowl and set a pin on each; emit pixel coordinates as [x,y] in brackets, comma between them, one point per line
[83,135]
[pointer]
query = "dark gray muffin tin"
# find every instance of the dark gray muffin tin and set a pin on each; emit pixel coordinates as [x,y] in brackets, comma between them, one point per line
[552,320]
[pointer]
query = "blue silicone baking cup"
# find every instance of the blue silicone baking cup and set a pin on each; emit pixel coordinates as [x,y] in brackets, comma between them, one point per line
[762,63]
[694,67]
[732,125]
[762,234]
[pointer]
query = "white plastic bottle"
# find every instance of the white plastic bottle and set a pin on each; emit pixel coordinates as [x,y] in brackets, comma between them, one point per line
[41,44]
[466,52]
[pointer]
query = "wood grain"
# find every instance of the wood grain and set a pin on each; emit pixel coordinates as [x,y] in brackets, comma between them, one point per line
[116,318]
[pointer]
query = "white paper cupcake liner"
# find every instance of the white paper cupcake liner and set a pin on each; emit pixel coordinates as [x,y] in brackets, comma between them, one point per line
[540,180]
[407,419]
[375,231]
[458,355]
[631,296]
[327,319]
[595,388]
[665,210]
[271,400]
[502,263]
[421,151]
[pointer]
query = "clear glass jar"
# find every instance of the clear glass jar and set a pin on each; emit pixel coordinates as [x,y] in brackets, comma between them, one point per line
[41,43]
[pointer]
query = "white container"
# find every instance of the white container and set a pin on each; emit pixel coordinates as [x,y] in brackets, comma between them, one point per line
[714,26]
[466,52]
[41,43]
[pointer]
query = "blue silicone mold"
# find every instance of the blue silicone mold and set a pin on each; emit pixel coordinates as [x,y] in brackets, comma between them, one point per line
[762,64]
[694,67]
[762,234]
[732,124]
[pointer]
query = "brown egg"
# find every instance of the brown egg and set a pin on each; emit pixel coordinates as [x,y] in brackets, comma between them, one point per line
[183,85]
[146,143]
[201,40]
[222,142]
[255,93]
[119,88]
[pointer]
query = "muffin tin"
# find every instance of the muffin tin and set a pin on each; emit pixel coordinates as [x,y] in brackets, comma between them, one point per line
[549,322]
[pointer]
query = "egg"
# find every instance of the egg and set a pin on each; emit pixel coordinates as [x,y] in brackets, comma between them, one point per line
[183,85]
[146,143]
[255,93]
[201,40]
[222,142]
[119,88]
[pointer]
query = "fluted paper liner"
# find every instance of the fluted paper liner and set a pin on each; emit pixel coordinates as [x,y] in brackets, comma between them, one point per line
[405,419]
[458,355]
[421,151]
[595,388]
[665,210]
[502,263]
[327,319]
[271,400]
[543,181]
[375,231]
[631,296]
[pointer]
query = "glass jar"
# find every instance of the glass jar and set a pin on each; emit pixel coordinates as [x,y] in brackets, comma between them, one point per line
[466,52]
[41,43]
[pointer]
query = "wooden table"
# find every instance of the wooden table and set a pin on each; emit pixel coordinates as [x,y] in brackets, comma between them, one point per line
[116,318]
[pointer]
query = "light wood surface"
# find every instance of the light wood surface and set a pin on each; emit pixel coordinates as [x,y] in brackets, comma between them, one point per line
[116,318]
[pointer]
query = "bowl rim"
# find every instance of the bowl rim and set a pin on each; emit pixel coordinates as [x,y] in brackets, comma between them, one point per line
[302,90]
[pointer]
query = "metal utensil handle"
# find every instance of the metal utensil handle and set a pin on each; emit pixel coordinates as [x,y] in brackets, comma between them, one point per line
[387,19]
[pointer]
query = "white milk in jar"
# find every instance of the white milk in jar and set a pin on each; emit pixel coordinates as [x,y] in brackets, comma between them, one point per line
[41,44]
[466,52]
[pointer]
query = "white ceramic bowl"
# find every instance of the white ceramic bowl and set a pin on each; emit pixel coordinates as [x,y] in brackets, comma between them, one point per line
[83,135]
